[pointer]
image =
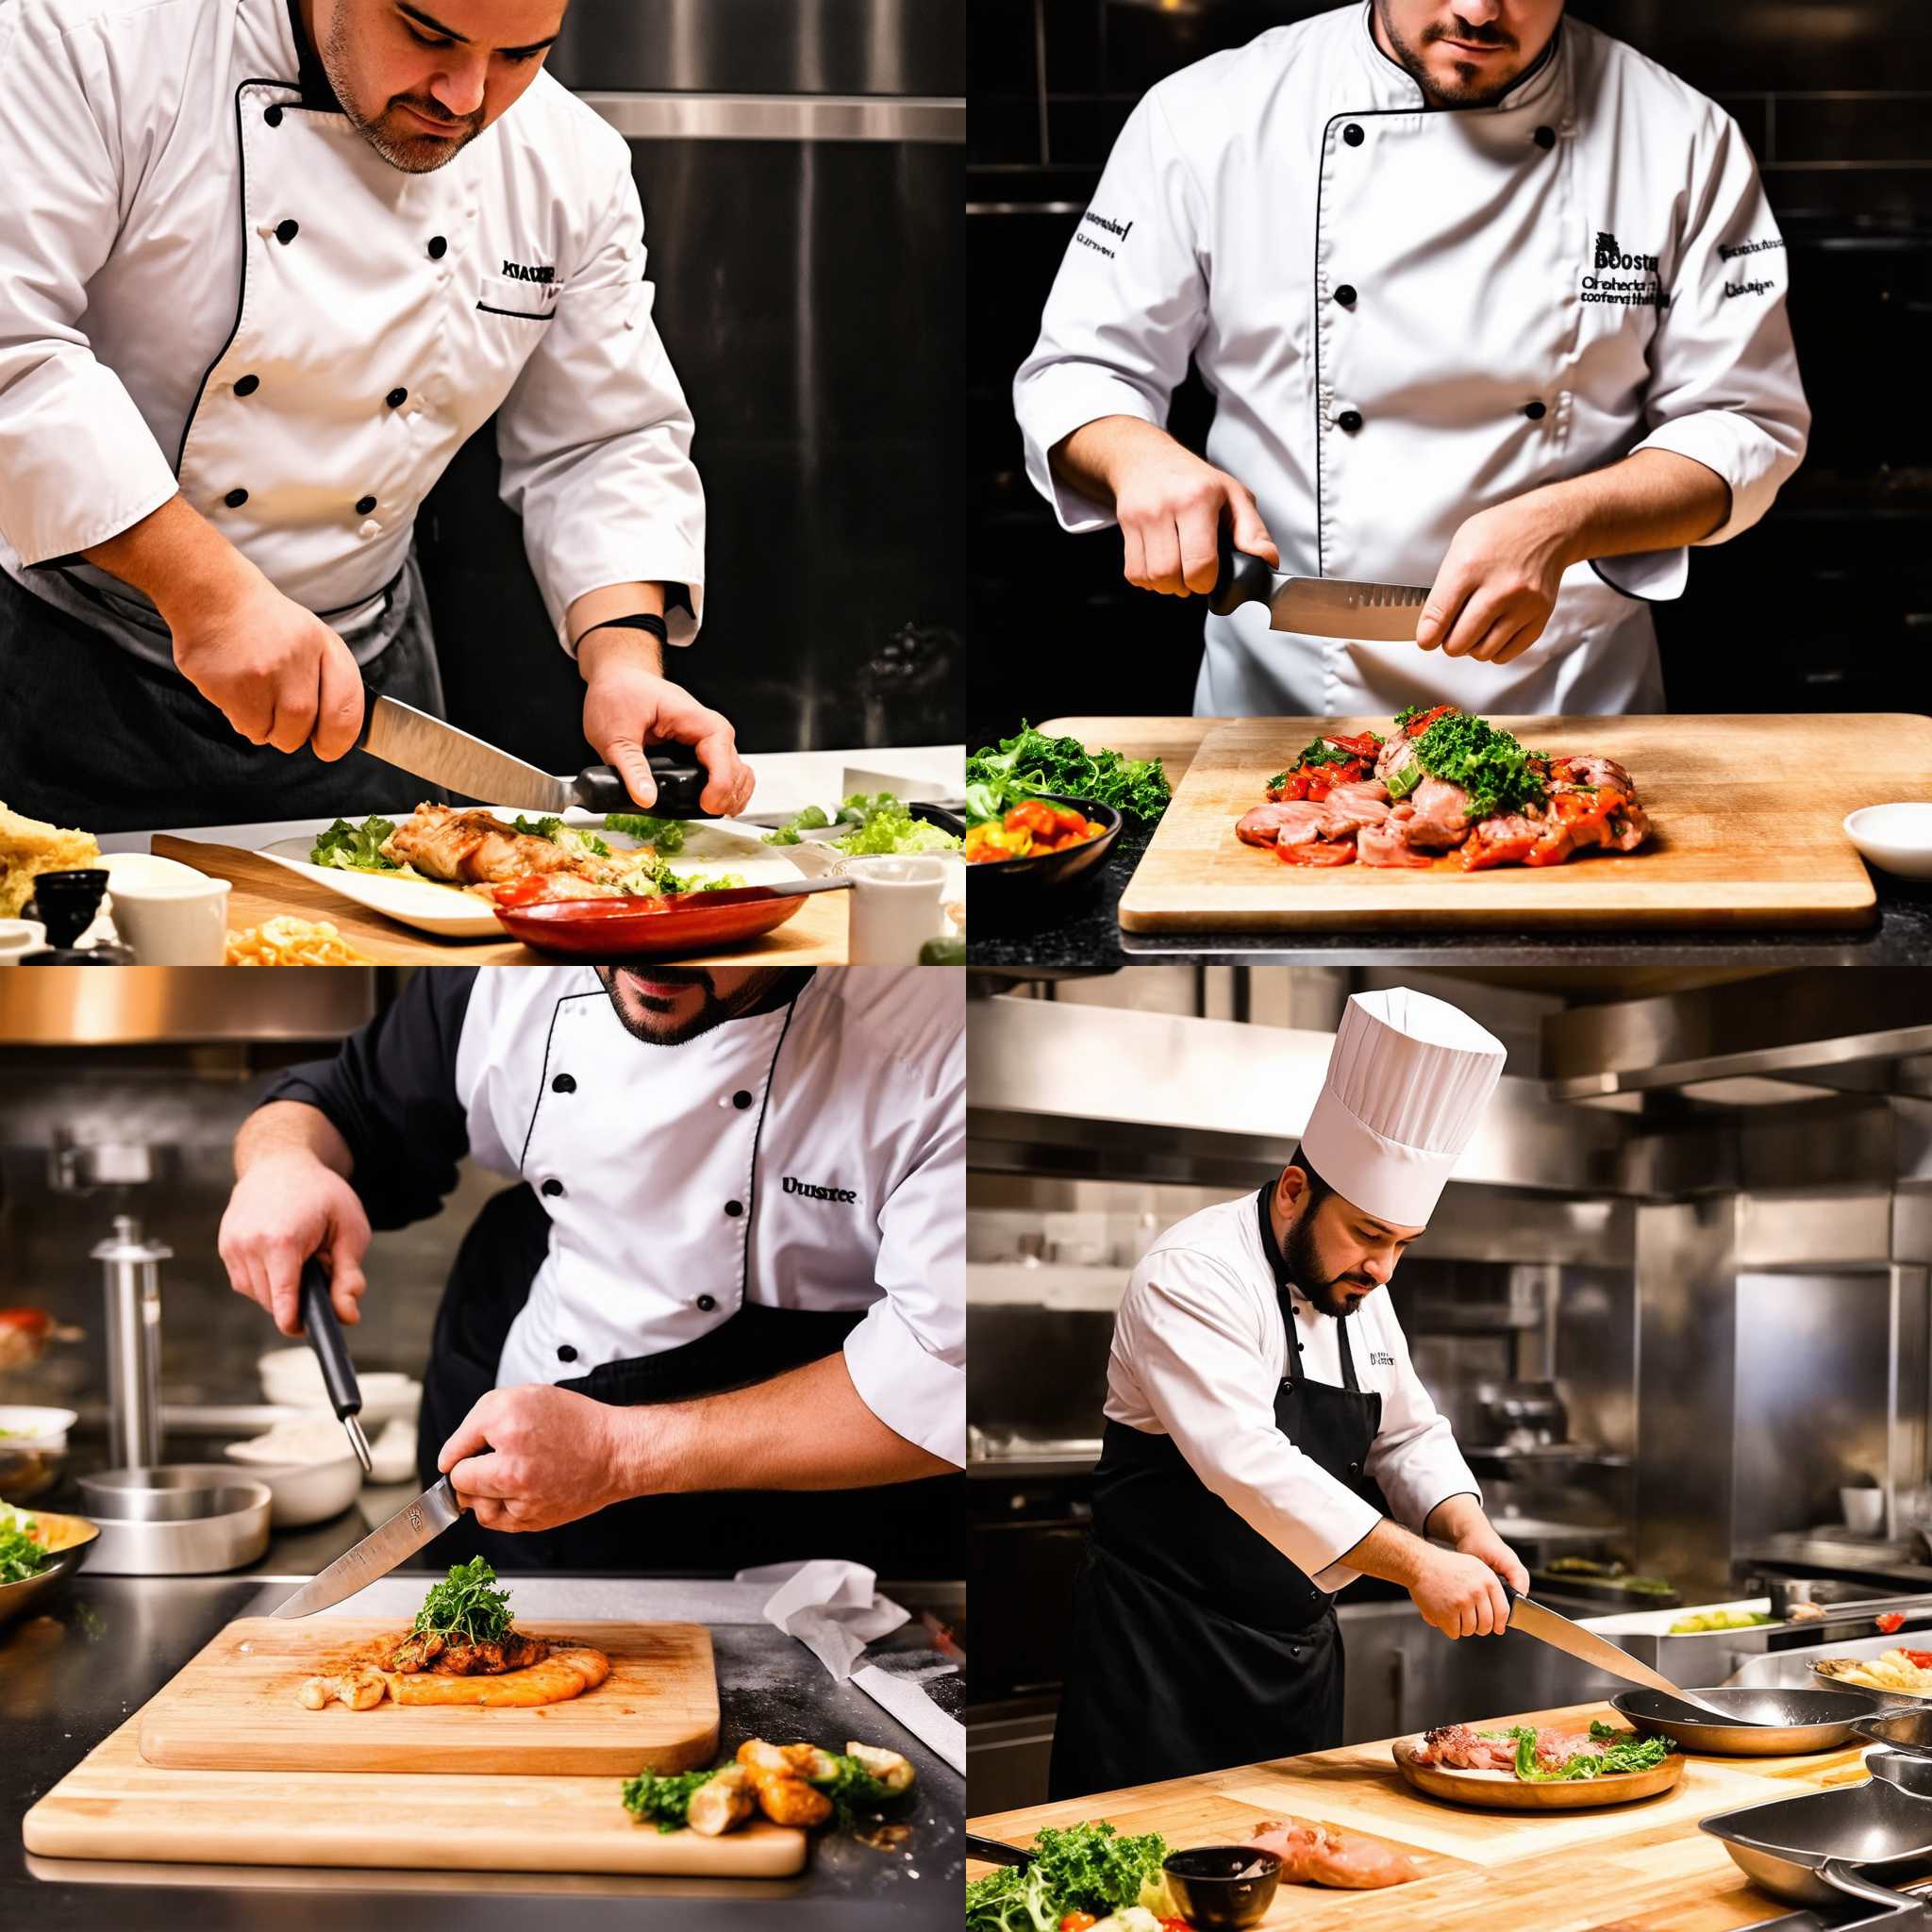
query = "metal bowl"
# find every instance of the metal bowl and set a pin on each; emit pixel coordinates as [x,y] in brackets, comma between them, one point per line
[69,1537]
[1809,1849]
[186,1518]
[1771,1722]
[1902,1729]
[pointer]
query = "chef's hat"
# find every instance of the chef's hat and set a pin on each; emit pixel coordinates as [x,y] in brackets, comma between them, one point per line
[1407,1081]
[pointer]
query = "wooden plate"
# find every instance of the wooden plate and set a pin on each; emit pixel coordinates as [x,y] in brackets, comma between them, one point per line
[1502,1790]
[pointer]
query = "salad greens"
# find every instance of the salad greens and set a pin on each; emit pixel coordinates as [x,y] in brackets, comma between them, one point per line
[1031,765]
[20,1556]
[356,848]
[664,1800]
[1625,1752]
[571,837]
[878,823]
[1084,1868]
[1499,772]
[464,1606]
[667,835]
[648,874]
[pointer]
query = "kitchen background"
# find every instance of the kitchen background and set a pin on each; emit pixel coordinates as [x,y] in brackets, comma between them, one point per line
[1676,1302]
[801,168]
[1826,605]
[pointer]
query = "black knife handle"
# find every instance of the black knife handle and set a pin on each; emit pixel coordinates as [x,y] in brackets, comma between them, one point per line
[326,1339]
[679,778]
[1242,579]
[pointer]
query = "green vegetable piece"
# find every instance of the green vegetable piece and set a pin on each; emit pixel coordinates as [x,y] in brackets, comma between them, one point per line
[355,848]
[463,1605]
[1401,782]
[571,837]
[942,952]
[1031,764]
[20,1556]
[663,1801]
[1494,768]
[667,835]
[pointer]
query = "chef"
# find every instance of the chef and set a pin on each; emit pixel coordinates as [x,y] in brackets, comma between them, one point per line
[264,266]
[1267,1439]
[1486,300]
[734,1259]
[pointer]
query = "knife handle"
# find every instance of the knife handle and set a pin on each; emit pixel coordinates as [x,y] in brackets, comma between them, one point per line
[679,778]
[1244,579]
[326,1339]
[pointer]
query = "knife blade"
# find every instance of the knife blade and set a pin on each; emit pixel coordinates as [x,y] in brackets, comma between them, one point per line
[1363,612]
[1535,1620]
[378,1552]
[426,747]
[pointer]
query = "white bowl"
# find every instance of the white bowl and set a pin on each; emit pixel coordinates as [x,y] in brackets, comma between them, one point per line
[301,1493]
[1895,837]
[36,1428]
[292,1378]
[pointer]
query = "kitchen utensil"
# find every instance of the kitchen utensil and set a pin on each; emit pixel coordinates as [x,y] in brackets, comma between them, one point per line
[69,1537]
[895,907]
[187,1518]
[1901,1728]
[292,1378]
[1907,1770]
[996,1851]
[1533,1619]
[33,1447]
[1764,1723]
[1017,889]
[426,747]
[1223,1886]
[173,924]
[1895,837]
[1367,613]
[1808,1849]
[337,1372]
[234,1706]
[679,923]
[131,1294]
[379,1552]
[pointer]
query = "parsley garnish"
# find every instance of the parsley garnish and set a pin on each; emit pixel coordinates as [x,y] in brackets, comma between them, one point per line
[1497,771]
[664,1800]
[464,1606]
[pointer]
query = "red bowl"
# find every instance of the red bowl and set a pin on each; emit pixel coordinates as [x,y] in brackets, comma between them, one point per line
[673,922]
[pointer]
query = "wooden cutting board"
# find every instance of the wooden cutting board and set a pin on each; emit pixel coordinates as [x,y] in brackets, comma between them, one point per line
[1746,813]
[814,936]
[1634,1868]
[114,1805]
[235,1707]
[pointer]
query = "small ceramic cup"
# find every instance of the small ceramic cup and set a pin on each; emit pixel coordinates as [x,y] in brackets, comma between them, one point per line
[895,908]
[173,924]
[20,937]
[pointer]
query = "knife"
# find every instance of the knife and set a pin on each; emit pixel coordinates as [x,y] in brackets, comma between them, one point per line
[337,1372]
[1317,607]
[1533,1620]
[400,734]
[378,1552]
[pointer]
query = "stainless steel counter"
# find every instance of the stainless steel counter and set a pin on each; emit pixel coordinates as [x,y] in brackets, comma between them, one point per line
[108,1644]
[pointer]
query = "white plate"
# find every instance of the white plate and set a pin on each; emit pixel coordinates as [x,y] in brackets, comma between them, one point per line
[711,846]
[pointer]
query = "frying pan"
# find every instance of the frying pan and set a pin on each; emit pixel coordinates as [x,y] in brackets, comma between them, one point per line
[1771,1722]
[1809,1849]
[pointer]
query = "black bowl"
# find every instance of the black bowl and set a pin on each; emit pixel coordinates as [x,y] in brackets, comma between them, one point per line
[1219,1886]
[1003,887]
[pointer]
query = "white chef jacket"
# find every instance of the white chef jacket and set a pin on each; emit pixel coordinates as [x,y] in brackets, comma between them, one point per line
[1504,297]
[208,283]
[1199,1349]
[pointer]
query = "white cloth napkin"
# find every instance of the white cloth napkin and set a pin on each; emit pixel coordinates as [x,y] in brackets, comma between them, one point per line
[907,1701]
[833,1609]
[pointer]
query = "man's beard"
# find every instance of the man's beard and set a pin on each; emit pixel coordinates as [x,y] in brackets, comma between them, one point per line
[647,1017]
[1324,1292]
[1471,87]
[413,154]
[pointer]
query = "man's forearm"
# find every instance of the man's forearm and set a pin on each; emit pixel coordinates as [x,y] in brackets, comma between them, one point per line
[807,1430]
[177,559]
[1454,1517]
[292,1127]
[1088,460]
[1654,500]
[1388,1551]
[614,600]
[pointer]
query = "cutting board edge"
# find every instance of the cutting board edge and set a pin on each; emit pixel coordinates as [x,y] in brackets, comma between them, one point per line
[1854,913]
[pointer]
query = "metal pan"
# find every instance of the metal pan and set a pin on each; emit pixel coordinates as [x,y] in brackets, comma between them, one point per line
[1901,1729]
[1771,1722]
[1810,1850]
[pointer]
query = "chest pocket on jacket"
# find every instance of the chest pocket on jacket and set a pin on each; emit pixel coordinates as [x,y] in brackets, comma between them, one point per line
[529,302]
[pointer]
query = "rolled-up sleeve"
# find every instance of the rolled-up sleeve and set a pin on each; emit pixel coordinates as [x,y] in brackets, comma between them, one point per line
[77,462]
[1197,1349]
[594,438]
[1414,1460]
[907,1358]
[1126,312]
[1725,389]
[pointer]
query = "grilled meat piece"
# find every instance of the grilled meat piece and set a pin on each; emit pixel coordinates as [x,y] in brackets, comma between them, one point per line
[1457,1747]
[472,848]
[1350,806]
[728,1798]
[426,1650]
[778,1771]
[1387,846]
[1263,824]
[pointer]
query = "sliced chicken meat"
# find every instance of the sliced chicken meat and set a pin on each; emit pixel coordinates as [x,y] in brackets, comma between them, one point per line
[1317,1855]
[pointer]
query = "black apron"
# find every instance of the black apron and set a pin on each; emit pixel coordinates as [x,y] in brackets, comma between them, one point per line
[900,1529]
[1195,1643]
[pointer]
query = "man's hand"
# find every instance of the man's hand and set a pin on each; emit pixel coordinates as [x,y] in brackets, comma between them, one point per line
[1459,1595]
[533,1456]
[1497,586]
[273,669]
[629,703]
[287,1207]
[1169,504]
[1486,1546]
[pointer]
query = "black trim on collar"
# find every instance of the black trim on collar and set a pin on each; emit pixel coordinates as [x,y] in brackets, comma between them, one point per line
[1515,86]
[310,77]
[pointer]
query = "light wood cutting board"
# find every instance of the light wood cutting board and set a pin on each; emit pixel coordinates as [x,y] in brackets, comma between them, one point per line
[815,936]
[114,1805]
[234,1708]
[1746,813]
